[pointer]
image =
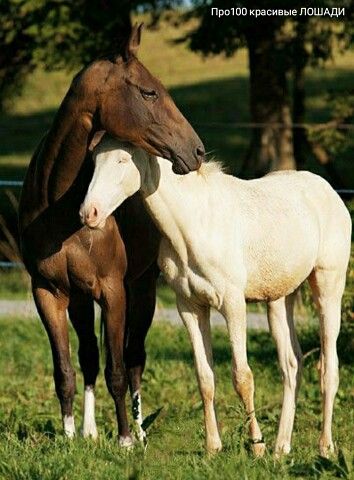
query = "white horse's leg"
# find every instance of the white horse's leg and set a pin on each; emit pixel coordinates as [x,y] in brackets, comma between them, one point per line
[281,323]
[328,287]
[89,428]
[197,321]
[234,311]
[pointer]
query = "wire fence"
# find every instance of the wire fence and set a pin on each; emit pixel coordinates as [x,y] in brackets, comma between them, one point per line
[18,183]
[10,183]
[278,125]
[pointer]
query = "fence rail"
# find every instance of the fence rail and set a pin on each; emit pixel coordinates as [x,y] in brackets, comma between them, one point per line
[10,183]
[19,183]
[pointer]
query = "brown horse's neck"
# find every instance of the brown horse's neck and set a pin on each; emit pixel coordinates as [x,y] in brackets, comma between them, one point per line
[64,150]
[58,159]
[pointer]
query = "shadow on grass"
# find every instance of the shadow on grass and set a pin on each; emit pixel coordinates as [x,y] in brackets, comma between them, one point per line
[334,468]
[260,347]
[210,107]
[45,428]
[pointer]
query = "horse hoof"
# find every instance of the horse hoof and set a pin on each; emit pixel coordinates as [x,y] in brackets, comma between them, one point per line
[126,442]
[90,432]
[258,449]
[141,436]
[327,451]
[69,426]
[214,448]
[281,450]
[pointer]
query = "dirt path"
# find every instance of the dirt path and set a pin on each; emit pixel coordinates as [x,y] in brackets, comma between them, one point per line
[27,309]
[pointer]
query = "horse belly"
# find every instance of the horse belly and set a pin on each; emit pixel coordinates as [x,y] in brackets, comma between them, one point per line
[276,268]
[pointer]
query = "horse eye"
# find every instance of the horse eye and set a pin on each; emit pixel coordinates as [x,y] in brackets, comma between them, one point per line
[149,94]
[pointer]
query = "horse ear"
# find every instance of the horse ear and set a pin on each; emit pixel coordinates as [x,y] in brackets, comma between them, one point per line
[97,137]
[133,43]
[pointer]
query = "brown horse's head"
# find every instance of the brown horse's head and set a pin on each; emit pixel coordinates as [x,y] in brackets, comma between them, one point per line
[131,104]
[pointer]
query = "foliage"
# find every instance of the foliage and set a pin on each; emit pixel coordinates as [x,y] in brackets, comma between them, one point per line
[289,45]
[32,446]
[321,35]
[56,33]
[334,138]
[60,34]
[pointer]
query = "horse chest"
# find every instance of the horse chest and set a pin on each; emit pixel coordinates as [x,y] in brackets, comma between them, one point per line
[186,278]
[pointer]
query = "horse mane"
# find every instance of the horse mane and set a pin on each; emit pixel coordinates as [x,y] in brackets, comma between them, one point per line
[210,168]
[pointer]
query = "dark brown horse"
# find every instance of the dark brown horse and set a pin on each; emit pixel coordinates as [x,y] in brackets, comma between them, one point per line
[71,265]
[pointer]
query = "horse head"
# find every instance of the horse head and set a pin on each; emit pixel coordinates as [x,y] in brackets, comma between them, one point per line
[129,103]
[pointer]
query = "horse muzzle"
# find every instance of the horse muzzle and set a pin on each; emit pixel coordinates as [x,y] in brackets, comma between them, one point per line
[182,164]
[91,216]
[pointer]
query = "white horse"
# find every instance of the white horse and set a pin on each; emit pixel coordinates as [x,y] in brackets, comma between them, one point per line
[227,240]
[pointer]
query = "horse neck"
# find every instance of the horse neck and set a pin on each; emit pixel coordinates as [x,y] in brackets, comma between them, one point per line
[59,157]
[168,200]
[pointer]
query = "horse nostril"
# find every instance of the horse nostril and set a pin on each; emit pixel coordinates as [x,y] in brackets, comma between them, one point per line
[92,214]
[89,215]
[200,153]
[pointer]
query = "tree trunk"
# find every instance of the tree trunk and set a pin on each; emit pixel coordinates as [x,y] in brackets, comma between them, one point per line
[271,146]
[301,147]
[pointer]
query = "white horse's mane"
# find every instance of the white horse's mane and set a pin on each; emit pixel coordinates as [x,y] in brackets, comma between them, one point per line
[210,168]
[206,170]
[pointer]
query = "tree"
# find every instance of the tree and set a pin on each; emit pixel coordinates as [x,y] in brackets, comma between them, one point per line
[278,46]
[61,34]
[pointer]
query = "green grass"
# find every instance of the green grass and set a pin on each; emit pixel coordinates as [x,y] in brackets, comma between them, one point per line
[32,445]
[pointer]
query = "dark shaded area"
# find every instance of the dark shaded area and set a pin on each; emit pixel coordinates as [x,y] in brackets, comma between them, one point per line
[20,133]
[260,347]
[211,107]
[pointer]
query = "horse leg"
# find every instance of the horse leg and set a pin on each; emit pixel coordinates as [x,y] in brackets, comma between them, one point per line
[197,321]
[52,310]
[113,315]
[140,312]
[82,316]
[281,324]
[328,287]
[234,311]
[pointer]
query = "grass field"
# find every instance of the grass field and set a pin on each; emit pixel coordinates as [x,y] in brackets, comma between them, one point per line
[32,446]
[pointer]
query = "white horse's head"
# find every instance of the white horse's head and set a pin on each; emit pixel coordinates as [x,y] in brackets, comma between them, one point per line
[117,176]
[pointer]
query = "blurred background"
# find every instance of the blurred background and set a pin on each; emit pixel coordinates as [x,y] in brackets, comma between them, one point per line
[263,93]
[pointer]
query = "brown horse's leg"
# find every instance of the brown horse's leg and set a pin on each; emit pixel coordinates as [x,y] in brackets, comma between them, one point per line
[140,312]
[52,310]
[113,315]
[82,316]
